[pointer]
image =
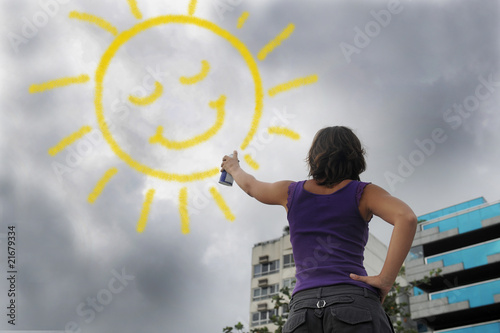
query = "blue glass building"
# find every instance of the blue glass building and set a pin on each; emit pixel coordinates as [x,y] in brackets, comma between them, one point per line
[463,241]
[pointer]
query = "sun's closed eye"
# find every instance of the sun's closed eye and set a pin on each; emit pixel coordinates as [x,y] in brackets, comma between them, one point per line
[143,101]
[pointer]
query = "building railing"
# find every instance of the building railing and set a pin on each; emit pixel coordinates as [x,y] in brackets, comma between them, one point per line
[471,256]
[453,209]
[465,221]
[478,294]
[490,327]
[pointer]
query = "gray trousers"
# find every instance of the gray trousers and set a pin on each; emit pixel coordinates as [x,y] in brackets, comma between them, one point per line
[339,308]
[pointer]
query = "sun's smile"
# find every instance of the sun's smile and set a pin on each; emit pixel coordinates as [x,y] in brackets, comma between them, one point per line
[218,105]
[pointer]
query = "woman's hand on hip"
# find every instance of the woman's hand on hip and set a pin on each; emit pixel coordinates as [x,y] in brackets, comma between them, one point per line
[377,281]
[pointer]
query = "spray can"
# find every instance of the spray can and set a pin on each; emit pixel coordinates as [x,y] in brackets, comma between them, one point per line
[226,178]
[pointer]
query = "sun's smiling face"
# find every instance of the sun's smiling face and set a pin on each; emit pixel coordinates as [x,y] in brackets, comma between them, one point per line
[162,136]
[167,108]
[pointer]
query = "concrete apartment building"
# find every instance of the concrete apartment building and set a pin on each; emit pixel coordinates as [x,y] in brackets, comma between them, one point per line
[273,268]
[464,242]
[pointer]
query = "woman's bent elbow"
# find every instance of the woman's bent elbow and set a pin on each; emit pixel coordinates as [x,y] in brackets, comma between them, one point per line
[407,219]
[411,220]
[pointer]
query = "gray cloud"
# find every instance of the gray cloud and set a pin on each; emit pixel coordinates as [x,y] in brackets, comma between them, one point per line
[393,92]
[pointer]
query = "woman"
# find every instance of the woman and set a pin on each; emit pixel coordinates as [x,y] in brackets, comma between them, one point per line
[328,217]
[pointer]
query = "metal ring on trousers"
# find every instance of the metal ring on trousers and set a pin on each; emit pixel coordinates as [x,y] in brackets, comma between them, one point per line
[322,305]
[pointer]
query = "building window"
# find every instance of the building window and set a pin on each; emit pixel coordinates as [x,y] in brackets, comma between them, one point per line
[416,252]
[265,292]
[285,309]
[263,317]
[288,260]
[267,268]
[289,283]
[422,328]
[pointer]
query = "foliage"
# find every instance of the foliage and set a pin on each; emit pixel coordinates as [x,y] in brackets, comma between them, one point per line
[279,300]
[399,311]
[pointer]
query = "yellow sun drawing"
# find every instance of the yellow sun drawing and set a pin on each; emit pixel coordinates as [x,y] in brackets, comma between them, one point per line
[160,137]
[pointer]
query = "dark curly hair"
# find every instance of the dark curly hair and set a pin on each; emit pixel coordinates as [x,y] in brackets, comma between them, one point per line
[335,154]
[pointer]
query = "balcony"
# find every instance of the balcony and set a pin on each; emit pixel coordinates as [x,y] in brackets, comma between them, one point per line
[492,327]
[473,256]
[479,251]
[477,295]
[453,209]
[463,305]
[465,221]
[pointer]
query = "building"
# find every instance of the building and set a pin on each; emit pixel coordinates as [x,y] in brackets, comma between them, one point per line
[463,241]
[273,268]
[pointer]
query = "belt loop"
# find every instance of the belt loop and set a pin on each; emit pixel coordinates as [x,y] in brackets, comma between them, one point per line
[319,292]
[365,292]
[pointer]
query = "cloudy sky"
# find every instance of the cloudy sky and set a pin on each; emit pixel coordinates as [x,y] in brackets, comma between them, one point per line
[418,81]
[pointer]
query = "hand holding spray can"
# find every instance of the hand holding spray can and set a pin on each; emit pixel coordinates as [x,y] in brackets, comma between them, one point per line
[226,178]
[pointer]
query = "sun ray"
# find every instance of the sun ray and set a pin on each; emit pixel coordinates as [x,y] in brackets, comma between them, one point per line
[69,140]
[205,68]
[143,219]
[100,22]
[183,210]
[101,184]
[58,83]
[283,131]
[222,204]
[302,81]
[251,162]
[275,42]
[134,9]
[143,101]
[242,19]
[192,7]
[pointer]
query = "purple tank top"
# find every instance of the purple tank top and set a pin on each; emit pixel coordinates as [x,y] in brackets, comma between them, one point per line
[328,236]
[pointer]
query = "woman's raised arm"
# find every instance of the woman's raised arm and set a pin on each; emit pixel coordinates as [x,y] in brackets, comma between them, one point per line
[268,193]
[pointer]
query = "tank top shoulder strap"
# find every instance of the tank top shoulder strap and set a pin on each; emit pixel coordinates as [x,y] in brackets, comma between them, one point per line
[359,190]
[291,192]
